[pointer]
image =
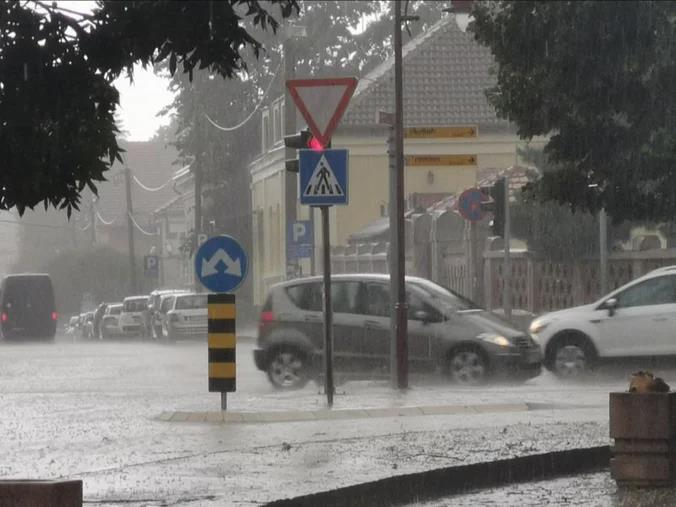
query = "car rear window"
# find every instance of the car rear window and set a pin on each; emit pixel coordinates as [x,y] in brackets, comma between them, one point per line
[191,302]
[135,305]
[114,310]
[307,296]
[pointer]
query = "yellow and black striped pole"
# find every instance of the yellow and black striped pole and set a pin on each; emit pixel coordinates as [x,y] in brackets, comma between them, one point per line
[222,345]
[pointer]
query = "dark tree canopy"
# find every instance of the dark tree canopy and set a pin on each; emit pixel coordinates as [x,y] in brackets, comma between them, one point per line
[57,101]
[598,79]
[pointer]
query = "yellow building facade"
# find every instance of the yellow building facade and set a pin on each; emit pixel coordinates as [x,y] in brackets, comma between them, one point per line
[446,74]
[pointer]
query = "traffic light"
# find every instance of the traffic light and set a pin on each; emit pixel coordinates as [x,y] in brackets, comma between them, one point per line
[303,140]
[299,141]
[496,205]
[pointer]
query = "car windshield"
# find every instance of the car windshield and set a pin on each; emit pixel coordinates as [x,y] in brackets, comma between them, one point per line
[115,310]
[135,305]
[446,296]
[191,302]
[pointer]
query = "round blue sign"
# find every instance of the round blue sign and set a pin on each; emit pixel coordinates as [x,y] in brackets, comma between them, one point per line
[221,264]
[469,204]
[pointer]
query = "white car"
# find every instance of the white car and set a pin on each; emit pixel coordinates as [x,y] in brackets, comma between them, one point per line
[637,321]
[110,322]
[186,317]
[133,316]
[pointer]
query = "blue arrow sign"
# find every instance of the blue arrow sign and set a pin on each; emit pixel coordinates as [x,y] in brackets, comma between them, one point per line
[221,264]
[323,177]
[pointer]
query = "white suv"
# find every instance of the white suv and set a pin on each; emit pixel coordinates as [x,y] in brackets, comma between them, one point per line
[638,320]
[133,316]
[186,317]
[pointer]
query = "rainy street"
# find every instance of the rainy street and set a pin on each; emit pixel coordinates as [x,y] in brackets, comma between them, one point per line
[94,410]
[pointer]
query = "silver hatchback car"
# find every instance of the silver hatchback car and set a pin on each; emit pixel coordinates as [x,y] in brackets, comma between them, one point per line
[445,330]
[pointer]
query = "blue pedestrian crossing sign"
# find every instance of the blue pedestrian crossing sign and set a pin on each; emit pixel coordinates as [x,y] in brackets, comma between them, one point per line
[323,177]
[221,264]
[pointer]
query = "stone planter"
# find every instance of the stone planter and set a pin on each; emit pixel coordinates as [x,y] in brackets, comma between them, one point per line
[644,429]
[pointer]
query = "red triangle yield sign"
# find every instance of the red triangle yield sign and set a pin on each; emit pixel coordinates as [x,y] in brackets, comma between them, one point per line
[322,103]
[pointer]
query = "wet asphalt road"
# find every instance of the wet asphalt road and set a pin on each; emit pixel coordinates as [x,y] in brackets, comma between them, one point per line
[90,410]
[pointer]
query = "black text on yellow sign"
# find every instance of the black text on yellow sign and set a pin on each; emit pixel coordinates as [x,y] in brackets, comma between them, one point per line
[222,342]
[459,132]
[437,160]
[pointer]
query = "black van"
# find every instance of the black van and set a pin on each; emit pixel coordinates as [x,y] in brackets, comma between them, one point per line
[27,308]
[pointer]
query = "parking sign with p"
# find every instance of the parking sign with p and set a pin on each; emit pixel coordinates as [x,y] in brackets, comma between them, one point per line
[299,239]
[151,266]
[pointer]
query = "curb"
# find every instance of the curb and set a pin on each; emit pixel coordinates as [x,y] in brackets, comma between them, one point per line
[324,414]
[441,482]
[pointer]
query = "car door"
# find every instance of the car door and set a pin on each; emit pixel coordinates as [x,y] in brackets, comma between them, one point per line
[424,323]
[348,325]
[644,320]
[374,347]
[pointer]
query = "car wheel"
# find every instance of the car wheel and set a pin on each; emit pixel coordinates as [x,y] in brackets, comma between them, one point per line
[571,358]
[288,369]
[467,366]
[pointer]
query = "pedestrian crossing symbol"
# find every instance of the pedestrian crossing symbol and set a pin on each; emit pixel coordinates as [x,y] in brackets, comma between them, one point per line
[323,181]
[323,177]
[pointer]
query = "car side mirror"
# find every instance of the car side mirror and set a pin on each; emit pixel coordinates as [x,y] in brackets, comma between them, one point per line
[611,306]
[422,315]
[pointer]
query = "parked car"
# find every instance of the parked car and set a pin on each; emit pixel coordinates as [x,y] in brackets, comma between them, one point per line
[132,318]
[445,331]
[636,321]
[110,323]
[156,310]
[186,317]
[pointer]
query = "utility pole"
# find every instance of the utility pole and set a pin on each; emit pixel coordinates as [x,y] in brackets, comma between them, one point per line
[507,273]
[130,231]
[197,174]
[92,220]
[603,250]
[399,340]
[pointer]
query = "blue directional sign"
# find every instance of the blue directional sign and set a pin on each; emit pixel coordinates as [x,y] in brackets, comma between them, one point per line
[221,264]
[299,239]
[323,177]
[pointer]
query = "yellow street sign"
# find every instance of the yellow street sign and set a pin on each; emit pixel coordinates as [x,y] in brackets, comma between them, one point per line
[465,132]
[434,160]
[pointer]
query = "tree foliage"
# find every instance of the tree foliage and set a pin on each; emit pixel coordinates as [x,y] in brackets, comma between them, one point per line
[598,78]
[57,100]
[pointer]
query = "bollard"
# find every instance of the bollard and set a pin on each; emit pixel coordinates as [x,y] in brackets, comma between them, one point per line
[644,428]
[222,345]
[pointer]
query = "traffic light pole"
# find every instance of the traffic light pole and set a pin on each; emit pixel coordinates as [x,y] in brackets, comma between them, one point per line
[328,309]
[291,179]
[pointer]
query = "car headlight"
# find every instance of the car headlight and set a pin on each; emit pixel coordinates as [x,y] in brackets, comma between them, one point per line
[537,325]
[496,339]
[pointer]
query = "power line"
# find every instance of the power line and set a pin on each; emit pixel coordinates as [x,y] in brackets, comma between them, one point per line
[151,189]
[104,222]
[243,122]
[141,229]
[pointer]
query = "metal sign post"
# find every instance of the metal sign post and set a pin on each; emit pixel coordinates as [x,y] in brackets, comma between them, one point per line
[328,310]
[323,183]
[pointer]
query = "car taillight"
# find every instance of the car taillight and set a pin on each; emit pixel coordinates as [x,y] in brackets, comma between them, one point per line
[4,316]
[55,316]
[267,317]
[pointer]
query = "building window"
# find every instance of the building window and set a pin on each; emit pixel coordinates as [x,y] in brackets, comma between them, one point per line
[277,124]
[265,134]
